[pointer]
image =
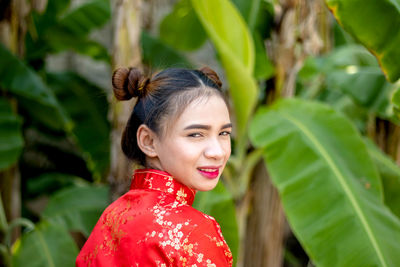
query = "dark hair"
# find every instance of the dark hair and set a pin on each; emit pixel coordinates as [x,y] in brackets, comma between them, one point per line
[168,93]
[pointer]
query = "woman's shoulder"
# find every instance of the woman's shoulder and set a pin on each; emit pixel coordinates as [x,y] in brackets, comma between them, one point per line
[156,215]
[131,202]
[191,222]
[138,206]
[157,207]
[195,215]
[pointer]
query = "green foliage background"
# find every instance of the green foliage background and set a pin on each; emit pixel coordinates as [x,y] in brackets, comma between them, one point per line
[339,191]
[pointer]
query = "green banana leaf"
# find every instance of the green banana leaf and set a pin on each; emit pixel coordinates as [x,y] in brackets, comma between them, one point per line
[48,245]
[39,24]
[159,55]
[11,141]
[50,182]
[77,208]
[54,33]
[396,103]
[87,17]
[340,36]
[87,106]
[46,151]
[340,58]
[259,17]
[356,73]
[366,86]
[60,40]
[50,16]
[73,29]
[181,29]
[263,68]
[32,93]
[348,70]
[349,55]
[258,14]
[357,115]
[250,11]
[329,186]
[390,174]
[56,8]
[376,25]
[219,204]
[228,31]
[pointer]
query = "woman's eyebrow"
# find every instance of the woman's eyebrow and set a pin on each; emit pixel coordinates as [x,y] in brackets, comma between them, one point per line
[228,125]
[198,126]
[206,127]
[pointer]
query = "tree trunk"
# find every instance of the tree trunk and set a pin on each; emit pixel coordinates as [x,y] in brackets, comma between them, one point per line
[11,195]
[303,29]
[13,27]
[126,53]
[387,137]
[265,227]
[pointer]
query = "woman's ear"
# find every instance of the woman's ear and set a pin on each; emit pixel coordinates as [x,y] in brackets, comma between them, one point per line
[146,140]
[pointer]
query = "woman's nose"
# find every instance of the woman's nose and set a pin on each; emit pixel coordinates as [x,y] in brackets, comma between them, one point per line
[214,149]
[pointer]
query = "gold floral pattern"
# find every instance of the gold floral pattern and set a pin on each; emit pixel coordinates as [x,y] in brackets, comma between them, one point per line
[112,222]
[155,225]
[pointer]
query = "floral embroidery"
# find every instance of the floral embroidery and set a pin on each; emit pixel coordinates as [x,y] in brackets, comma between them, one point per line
[181,195]
[155,225]
[162,181]
[91,256]
[112,222]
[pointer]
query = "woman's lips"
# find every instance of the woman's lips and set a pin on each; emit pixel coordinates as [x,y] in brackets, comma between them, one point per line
[209,172]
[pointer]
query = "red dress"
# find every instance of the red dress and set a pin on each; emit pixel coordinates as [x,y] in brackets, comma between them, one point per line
[154,224]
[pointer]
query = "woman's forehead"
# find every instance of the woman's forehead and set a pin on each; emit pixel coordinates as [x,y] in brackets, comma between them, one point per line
[195,107]
[208,110]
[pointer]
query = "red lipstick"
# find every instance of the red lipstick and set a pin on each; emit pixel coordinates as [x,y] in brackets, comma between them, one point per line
[210,172]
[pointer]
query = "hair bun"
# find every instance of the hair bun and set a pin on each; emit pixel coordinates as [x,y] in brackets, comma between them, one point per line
[212,75]
[128,83]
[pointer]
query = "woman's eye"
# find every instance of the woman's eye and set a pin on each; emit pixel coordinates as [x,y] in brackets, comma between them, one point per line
[225,133]
[195,135]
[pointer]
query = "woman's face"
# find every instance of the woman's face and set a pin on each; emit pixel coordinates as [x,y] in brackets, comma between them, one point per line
[195,148]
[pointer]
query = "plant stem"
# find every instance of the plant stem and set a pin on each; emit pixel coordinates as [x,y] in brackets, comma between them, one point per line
[5,255]
[3,219]
[15,223]
[247,168]
[4,250]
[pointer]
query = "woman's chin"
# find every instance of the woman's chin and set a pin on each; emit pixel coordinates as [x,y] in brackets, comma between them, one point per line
[210,185]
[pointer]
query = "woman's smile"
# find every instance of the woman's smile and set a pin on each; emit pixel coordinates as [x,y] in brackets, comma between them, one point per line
[209,172]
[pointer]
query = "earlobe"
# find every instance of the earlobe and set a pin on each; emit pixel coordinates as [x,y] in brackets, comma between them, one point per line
[146,140]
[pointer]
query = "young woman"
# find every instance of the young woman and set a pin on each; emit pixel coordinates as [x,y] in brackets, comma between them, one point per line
[179,130]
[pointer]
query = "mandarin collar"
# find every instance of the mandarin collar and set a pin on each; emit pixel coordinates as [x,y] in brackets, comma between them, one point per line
[164,182]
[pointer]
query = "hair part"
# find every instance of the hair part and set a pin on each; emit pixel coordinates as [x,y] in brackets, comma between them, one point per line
[161,99]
